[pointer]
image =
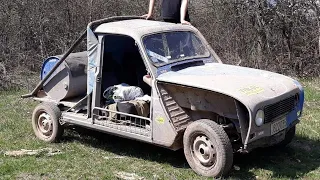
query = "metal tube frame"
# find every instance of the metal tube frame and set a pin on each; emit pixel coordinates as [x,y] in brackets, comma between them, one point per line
[93,25]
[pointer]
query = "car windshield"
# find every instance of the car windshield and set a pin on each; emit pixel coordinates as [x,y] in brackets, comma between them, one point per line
[169,47]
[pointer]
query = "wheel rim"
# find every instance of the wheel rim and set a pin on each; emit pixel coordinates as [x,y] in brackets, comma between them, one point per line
[45,124]
[204,151]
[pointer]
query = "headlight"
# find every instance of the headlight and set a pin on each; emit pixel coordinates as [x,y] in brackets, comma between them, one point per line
[259,118]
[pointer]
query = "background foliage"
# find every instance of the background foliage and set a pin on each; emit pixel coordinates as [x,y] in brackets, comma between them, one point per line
[282,37]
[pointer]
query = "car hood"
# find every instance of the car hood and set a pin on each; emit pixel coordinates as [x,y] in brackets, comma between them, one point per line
[249,86]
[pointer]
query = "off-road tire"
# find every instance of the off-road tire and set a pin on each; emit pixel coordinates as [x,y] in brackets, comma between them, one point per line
[219,140]
[52,112]
[288,137]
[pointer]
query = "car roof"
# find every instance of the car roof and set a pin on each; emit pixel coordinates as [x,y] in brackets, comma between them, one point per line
[140,27]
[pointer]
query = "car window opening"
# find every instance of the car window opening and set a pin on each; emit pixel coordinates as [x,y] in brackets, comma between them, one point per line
[124,85]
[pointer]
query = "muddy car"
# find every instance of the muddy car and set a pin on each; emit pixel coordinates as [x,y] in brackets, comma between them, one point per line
[162,83]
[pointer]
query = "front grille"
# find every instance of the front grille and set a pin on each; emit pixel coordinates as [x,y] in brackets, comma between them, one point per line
[280,108]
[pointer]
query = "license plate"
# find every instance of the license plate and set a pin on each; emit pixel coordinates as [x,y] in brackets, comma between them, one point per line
[278,126]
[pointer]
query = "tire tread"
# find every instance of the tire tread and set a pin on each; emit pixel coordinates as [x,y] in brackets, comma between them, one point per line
[55,114]
[223,138]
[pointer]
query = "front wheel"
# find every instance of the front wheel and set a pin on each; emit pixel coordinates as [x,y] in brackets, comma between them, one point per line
[45,122]
[207,148]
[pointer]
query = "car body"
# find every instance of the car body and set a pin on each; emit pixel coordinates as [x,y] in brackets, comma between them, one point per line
[197,103]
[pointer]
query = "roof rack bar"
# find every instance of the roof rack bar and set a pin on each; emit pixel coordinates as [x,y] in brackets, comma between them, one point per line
[93,25]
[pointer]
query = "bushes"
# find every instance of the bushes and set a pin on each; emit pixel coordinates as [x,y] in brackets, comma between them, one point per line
[282,38]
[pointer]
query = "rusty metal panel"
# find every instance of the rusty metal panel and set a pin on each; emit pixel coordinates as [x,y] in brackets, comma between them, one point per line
[202,101]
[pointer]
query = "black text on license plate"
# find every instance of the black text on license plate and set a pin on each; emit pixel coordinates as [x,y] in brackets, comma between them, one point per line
[278,126]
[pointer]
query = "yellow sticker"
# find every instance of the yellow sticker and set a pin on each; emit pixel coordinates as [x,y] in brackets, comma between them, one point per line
[252,90]
[160,120]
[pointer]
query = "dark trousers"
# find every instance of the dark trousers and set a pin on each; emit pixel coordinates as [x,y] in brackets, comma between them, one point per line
[172,21]
[176,21]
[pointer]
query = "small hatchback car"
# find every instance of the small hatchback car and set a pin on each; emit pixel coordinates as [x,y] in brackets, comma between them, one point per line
[187,98]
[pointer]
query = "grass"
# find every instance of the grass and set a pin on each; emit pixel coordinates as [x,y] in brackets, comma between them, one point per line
[89,155]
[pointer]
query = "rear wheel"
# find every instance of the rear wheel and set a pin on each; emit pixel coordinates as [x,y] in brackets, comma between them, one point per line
[45,122]
[207,148]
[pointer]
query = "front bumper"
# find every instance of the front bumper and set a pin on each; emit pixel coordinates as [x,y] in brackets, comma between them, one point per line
[269,140]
